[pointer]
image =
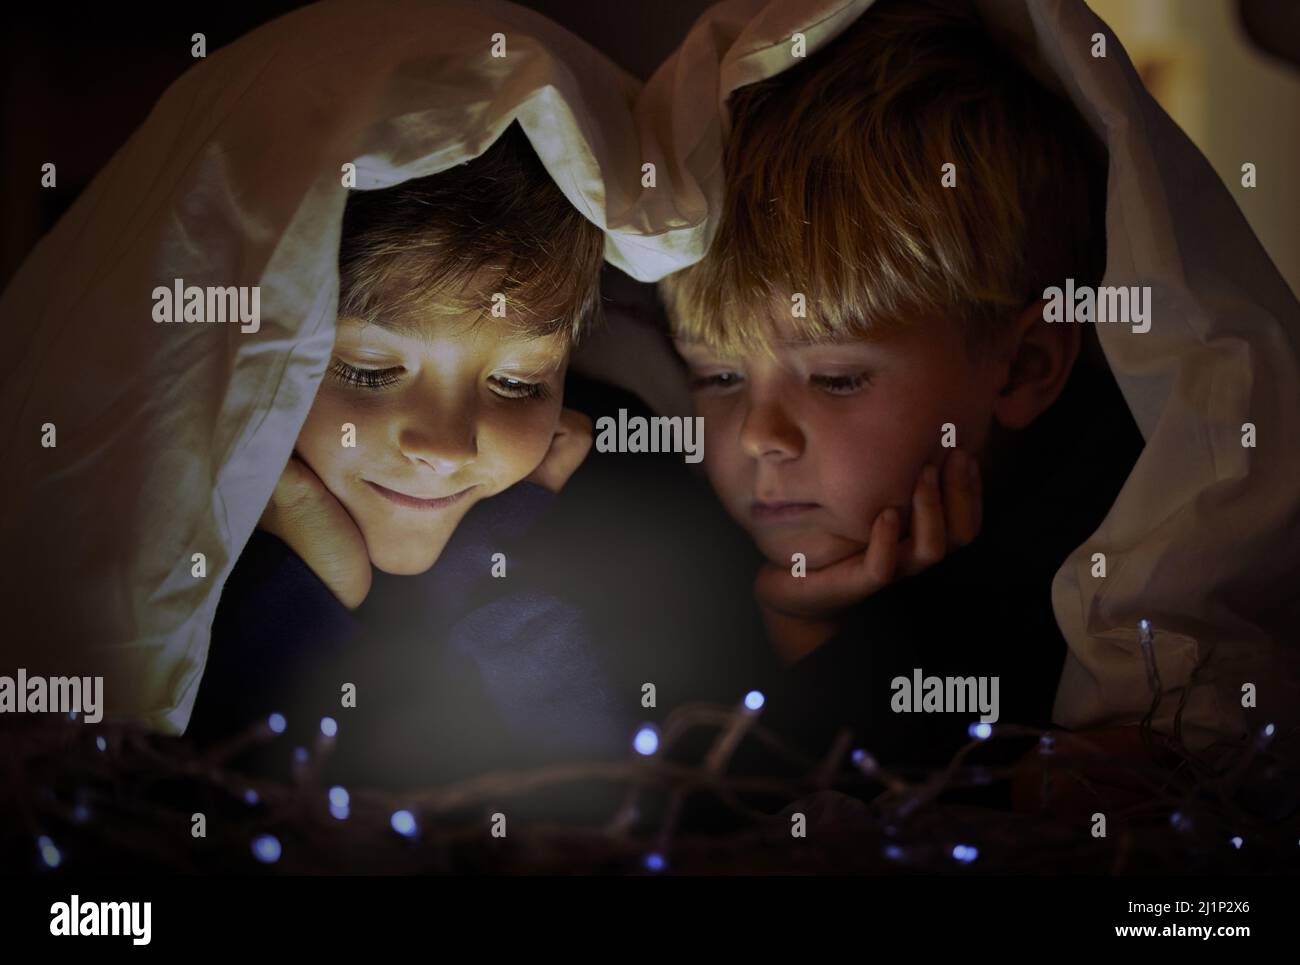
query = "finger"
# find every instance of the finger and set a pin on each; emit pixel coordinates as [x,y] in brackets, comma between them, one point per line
[929,541]
[297,485]
[317,527]
[881,560]
[579,433]
[961,492]
[574,422]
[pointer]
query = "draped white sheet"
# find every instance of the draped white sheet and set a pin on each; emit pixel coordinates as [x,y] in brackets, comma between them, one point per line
[171,437]
[1204,538]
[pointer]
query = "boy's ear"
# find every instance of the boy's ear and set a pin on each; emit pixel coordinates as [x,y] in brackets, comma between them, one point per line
[1039,356]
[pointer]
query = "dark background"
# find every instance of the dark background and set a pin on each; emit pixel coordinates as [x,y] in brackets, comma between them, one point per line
[76,80]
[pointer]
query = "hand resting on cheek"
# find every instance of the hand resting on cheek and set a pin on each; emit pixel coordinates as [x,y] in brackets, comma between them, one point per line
[315,525]
[803,612]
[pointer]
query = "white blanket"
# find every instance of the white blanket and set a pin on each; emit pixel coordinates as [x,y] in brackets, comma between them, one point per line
[1204,539]
[170,437]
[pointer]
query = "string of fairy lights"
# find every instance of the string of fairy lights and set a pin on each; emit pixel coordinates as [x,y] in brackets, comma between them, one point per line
[650,743]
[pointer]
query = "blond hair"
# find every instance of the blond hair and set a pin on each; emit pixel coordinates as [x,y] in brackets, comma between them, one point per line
[446,242]
[833,188]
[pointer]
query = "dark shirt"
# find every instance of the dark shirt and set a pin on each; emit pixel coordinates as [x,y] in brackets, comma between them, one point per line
[455,671]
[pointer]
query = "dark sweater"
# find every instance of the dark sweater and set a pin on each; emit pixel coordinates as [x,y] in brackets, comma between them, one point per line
[456,672]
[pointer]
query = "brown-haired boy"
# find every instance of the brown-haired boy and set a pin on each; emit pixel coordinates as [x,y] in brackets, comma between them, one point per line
[438,415]
[895,207]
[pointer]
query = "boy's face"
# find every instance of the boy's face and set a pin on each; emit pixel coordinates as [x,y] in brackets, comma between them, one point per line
[807,448]
[445,415]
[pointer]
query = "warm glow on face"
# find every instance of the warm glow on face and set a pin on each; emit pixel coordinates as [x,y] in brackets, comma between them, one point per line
[807,448]
[441,410]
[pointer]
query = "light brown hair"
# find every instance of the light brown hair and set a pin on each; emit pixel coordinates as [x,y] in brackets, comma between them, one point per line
[445,243]
[833,188]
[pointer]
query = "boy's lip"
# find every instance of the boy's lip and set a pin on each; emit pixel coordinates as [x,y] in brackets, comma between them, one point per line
[779,509]
[417,502]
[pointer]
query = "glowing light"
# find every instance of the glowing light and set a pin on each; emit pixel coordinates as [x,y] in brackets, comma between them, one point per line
[865,762]
[338,803]
[300,755]
[1046,744]
[250,797]
[754,700]
[1236,841]
[654,861]
[403,823]
[980,730]
[81,814]
[49,853]
[646,741]
[893,852]
[965,853]
[266,849]
[277,723]
[329,726]
[101,743]
[1268,730]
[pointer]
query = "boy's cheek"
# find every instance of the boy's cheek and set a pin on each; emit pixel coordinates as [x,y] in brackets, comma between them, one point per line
[717,470]
[320,444]
[517,447]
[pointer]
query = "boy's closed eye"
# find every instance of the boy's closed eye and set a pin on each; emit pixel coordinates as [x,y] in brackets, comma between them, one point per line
[375,378]
[842,384]
[364,376]
[713,380]
[849,384]
[835,368]
[373,356]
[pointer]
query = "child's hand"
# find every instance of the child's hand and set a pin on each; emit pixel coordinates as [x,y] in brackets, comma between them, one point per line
[569,446]
[305,514]
[801,612]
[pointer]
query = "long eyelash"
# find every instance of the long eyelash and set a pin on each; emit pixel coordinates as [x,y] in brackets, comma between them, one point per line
[519,389]
[842,383]
[710,381]
[365,378]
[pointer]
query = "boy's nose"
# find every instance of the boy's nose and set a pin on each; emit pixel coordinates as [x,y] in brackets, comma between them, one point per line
[445,448]
[769,433]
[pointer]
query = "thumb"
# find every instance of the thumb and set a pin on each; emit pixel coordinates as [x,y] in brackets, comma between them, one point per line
[316,526]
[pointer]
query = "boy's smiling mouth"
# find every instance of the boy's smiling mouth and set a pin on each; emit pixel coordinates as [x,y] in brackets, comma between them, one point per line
[417,502]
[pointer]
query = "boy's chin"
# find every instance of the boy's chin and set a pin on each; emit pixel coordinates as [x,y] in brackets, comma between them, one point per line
[819,549]
[399,560]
